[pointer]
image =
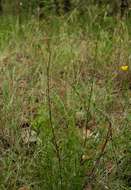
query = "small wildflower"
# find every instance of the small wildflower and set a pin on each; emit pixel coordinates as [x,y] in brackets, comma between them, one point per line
[124,68]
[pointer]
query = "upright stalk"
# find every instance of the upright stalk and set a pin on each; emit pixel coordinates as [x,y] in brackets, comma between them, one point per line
[54,139]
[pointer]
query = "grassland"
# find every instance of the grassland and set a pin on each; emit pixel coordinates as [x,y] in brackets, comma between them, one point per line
[65,103]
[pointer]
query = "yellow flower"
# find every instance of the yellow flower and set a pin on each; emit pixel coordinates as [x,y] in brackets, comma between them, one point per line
[124,68]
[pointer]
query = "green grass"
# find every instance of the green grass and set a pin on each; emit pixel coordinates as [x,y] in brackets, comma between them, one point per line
[57,78]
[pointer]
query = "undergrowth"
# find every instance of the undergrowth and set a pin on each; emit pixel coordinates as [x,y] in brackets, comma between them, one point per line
[65,103]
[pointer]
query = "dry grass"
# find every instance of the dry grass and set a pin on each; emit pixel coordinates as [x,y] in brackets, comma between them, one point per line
[83,93]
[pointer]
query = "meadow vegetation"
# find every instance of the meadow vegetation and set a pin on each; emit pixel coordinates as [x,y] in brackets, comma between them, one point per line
[65,102]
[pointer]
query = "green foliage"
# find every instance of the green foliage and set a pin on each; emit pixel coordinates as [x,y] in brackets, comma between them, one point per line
[71,147]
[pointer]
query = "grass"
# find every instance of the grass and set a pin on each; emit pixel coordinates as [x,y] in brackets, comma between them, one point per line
[61,93]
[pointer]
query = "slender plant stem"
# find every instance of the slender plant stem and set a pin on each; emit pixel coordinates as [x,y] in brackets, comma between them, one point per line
[54,139]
